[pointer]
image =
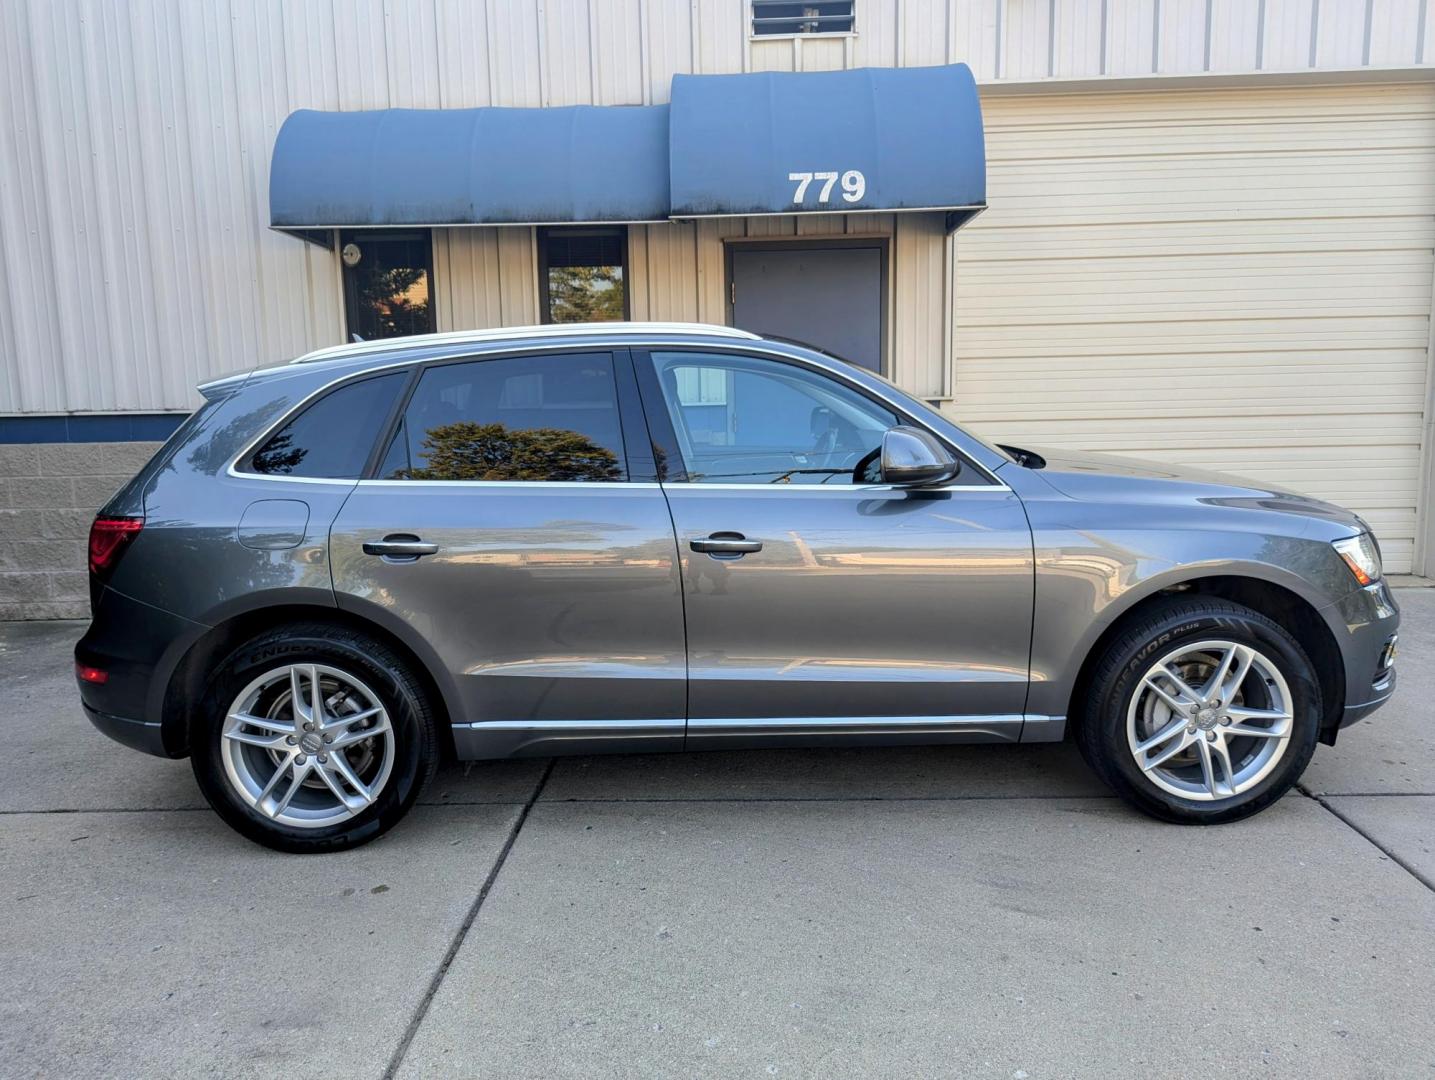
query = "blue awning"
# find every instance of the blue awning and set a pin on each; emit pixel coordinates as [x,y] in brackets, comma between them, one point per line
[470,167]
[770,143]
[763,143]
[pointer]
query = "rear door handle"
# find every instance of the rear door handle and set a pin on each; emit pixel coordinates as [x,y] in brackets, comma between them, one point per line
[402,546]
[726,543]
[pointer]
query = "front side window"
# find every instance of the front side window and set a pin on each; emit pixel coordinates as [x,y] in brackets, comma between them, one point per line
[745,420]
[551,418]
[333,437]
[581,274]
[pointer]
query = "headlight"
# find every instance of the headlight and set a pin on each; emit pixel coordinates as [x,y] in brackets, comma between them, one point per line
[1362,556]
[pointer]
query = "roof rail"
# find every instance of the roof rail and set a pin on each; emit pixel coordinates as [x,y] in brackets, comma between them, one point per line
[460,337]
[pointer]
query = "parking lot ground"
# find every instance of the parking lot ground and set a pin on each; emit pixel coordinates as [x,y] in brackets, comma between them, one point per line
[918,938]
[972,911]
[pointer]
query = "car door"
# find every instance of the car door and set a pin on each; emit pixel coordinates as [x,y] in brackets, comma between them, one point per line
[821,603]
[514,523]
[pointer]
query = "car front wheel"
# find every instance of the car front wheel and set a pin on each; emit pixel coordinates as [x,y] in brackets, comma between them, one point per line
[1203,711]
[313,738]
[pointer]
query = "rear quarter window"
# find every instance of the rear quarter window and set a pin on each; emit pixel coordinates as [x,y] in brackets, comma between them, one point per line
[332,438]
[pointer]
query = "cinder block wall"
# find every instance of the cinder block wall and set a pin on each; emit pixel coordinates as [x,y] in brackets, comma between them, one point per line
[49,493]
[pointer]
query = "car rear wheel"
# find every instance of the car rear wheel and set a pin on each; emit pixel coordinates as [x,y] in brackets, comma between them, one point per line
[1204,711]
[313,738]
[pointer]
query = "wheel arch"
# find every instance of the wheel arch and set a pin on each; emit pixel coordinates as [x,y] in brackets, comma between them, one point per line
[187,682]
[1301,618]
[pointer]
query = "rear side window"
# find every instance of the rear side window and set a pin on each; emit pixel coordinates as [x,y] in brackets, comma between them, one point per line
[552,418]
[332,438]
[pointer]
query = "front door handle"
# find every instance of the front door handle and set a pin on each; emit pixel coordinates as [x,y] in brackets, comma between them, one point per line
[400,546]
[731,544]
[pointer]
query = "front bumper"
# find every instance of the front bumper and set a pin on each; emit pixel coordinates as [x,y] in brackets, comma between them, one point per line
[1371,618]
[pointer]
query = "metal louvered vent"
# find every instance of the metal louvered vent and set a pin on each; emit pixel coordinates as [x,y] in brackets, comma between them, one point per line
[783,18]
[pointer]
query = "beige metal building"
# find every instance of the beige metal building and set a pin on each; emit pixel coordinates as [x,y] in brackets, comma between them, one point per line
[1209,238]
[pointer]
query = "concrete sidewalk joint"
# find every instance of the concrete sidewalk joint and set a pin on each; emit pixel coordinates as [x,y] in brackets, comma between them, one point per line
[422,1009]
[1382,848]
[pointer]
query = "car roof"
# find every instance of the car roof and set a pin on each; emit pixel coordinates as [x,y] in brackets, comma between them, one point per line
[363,354]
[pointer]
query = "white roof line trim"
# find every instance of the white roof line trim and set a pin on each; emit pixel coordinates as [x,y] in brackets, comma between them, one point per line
[547,330]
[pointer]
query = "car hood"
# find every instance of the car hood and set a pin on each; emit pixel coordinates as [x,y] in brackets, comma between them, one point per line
[1110,478]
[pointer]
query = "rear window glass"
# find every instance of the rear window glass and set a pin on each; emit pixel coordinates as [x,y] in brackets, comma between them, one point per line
[332,438]
[551,418]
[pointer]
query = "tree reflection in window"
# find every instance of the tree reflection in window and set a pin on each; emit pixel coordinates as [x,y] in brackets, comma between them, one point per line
[280,455]
[471,451]
[395,302]
[585,294]
[581,272]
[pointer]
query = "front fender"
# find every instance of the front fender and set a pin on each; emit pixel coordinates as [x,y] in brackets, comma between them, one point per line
[1085,584]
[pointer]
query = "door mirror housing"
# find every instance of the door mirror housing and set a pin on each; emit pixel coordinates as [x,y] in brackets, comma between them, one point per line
[912,457]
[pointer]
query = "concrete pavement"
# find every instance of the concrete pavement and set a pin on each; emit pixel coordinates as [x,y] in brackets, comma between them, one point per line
[967,911]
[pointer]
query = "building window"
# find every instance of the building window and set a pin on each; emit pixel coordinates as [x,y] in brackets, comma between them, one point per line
[388,280]
[582,274]
[781,18]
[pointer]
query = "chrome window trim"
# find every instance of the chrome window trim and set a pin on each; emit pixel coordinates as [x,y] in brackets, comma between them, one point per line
[634,485]
[736,345]
[830,489]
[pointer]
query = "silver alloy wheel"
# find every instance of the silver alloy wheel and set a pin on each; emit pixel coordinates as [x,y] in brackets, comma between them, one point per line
[1210,720]
[308,745]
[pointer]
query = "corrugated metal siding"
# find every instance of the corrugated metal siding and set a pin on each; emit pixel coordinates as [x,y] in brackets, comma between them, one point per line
[1020,40]
[134,253]
[1235,279]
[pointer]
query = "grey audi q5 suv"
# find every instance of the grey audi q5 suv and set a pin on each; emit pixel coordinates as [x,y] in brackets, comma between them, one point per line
[644,537]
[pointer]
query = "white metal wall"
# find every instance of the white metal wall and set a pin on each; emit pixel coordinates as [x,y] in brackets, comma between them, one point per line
[135,142]
[1235,279]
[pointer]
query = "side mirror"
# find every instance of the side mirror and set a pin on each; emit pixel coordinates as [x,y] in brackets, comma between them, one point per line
[911,456]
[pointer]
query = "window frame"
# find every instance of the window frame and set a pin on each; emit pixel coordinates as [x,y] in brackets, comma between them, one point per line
[346,286]
[638,458]
[645,427]
[665,437]
[545,314]
[243,464]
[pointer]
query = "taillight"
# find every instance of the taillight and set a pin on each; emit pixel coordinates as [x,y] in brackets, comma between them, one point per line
[91,674]
[109,536]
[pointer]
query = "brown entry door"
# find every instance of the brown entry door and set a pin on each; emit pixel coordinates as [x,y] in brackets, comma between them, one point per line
[829,297]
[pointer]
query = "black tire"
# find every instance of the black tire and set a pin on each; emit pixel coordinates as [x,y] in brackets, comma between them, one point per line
[416,742]
[1101,728]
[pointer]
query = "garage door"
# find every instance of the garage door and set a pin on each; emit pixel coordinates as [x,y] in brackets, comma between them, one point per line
[1232,279]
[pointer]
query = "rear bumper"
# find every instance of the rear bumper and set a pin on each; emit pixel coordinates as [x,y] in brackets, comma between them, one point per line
[137,647]
[136,734]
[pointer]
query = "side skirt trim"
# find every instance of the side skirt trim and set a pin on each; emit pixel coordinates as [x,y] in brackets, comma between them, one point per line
[555,738]
[543,738]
